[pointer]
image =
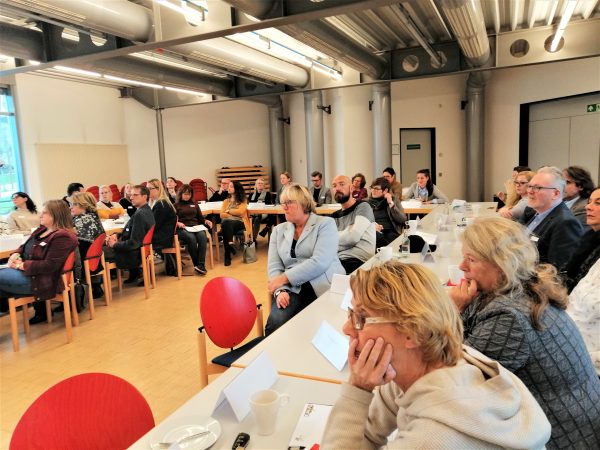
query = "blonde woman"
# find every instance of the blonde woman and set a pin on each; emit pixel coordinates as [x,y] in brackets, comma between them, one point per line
[107,209]
[515,204]
[514,311]
[164,213]
[410,374]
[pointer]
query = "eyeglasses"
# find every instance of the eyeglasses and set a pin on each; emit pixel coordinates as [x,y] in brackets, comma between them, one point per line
[287,203]
[535,188]
[520,183]
[135,195]
[152,187]
[359,321]
[376,188]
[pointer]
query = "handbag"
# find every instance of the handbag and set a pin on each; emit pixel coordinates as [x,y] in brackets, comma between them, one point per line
[80,295]
[249,253]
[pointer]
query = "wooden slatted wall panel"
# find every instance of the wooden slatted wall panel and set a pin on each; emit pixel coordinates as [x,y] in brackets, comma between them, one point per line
[246,175]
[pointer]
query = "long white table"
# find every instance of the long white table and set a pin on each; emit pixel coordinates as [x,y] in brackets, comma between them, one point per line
[301,391]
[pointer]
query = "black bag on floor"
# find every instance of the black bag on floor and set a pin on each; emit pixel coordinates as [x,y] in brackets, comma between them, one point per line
[81,295]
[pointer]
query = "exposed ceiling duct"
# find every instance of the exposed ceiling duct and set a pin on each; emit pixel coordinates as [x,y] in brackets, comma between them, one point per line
[131,21]
[21,43]
[320,36]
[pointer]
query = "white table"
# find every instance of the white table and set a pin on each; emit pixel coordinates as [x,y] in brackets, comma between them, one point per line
[301,391]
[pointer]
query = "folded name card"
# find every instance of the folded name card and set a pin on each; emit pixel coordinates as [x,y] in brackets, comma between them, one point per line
[332,344]
[340,283]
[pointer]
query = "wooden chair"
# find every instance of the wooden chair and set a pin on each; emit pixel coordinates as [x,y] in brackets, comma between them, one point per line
[148,270]
[87,411]
[91,262]
[175,250]
[229,312]
[14,302]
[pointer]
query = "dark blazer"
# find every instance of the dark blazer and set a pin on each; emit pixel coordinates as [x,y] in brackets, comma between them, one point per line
[165,219]
[557,236]
[46,261]
[127,249]
[578,210]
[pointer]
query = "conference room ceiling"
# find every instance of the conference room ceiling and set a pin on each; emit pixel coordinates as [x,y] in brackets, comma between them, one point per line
[346,42]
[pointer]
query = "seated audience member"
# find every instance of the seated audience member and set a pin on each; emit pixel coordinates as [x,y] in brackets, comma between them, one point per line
[218,196]
[390,175]
[388,212]
[355,224]
[302,257]
[413,385]
[285,179]
[510,195]
[553,227]
[578,187]
[35,268]
[358,187]
[514,311]
[125,202]
[189,214]
[171,189]
[514,207]
[126,246]
[25,216]
[261,195]
[423,189]
[234,217]
[71,189]
[107,209]
[165,217]
[587,249]
[320,194]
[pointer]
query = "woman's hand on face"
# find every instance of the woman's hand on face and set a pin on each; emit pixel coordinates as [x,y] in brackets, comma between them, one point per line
[463,294]
[371,368]
[283,300]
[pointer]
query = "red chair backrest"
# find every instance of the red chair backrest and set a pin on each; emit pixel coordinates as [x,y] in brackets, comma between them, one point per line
[95,252]
[147,241]
[178,184]
[67,270]
[199,187]
[228,311]
[116,195]
[122,191]
[87,411]
[95,191]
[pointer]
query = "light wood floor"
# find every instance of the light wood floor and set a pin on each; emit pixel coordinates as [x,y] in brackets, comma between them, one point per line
[150,343]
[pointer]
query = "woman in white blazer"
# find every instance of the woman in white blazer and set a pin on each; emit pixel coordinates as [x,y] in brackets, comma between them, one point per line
[302,257]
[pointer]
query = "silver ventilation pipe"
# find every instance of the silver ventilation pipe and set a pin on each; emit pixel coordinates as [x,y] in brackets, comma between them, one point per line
[21,43]
[277,143]
[320,36]
[315,143]
[382,127]
[468,25]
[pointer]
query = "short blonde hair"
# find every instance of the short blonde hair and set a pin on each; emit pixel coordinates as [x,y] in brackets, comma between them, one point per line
[162,194]
[412,296]
[301,195]
[86,200]
[506,245]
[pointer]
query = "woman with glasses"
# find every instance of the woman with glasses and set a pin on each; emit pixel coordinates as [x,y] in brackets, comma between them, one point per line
[388,212]
[514,311]
[25,216]
[165,217]
[423,189]
[234,217]
[302,257]
[189,215]
[411,377]
[515,205]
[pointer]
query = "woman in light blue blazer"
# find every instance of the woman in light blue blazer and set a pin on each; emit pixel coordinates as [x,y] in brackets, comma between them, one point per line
[302,257]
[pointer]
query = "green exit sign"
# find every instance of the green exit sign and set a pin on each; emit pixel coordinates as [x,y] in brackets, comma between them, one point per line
[593,107]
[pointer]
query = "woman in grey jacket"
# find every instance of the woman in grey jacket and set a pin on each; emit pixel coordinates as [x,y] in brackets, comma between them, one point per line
[302,257]
[423,189]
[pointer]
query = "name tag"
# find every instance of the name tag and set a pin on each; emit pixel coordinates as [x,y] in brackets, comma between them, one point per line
[192,206]
[42,244]
[534,238]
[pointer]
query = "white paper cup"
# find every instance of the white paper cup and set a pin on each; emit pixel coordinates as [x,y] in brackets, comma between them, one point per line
[412,225]
[458,217]
[385,253]
[455,274]
[265,405]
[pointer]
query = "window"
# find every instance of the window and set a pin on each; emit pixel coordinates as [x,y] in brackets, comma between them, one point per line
[11,179]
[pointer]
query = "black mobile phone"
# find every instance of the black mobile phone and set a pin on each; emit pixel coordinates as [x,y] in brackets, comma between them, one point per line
[241,441]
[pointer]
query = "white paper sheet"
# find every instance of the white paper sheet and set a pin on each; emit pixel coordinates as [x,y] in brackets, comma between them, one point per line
[347,300]
[311,425]
[260,374]
[430,238]
[196,228]
[332,344]
[340,283]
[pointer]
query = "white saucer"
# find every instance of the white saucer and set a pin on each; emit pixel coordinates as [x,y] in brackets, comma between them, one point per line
[186,426]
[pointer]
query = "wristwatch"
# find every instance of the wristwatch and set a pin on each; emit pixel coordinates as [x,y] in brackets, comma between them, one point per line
[279,291]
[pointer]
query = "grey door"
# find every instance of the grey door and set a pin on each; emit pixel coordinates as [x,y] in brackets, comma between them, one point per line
[415,153]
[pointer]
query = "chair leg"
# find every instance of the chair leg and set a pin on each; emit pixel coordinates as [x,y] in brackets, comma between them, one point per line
[178,260]
[14,329]
[88,280]
[48,311]
[119,281]
[210,249]
[145,277]
[106,281]
[215,239]
[74,313]
[25,311]
[67,312]
[152,268]
[260,329]
[202,359]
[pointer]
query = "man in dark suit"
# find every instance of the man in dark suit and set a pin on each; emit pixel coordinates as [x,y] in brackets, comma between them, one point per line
[553,227]
[126,246]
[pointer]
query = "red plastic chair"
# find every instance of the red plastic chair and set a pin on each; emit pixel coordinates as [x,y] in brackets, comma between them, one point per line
[178,184]
[95,191]
[15,302]
[116,194]
[228,311]
[91,263]
[87,411]
[199,187]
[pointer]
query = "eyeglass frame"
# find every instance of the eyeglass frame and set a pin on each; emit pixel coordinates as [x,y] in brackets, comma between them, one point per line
[539,188]
[359,325]
[520,183]
[376,188]
[288,202]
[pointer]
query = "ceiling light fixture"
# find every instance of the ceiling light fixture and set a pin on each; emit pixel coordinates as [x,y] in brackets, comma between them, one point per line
[191,13]
[333,73]
[564,21]
[134,82]
[87,73]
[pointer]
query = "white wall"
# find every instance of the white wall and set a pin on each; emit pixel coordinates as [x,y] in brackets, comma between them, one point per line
[52,111]
[142,140]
